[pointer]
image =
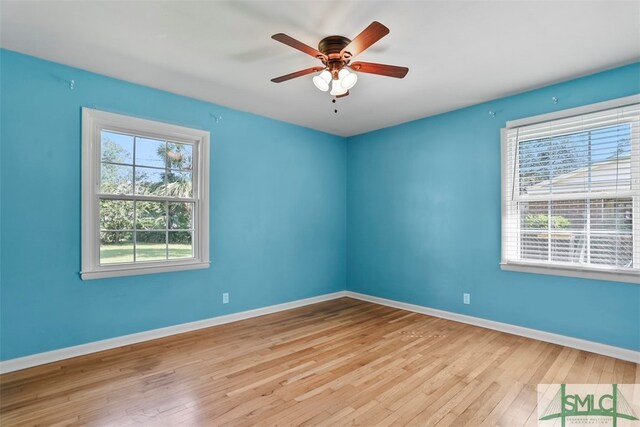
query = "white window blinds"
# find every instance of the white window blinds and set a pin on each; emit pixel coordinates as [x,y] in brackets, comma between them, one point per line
[571,192]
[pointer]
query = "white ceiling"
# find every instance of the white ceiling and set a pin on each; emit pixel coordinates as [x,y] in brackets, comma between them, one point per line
[459,52]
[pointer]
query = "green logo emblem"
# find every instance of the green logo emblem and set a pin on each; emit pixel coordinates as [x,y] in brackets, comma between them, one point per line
[612,405]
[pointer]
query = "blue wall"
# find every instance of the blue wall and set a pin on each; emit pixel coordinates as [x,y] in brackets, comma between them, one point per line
[278,213]
[424,220]
[420,229]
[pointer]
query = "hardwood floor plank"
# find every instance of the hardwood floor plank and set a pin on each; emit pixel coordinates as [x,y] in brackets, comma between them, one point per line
[340,362]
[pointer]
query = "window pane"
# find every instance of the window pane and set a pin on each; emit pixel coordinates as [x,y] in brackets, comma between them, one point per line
[116,247]
[150,152]
[534,215]
[180,244]
[179,184]
[569,215]
[116,179]
[179,156]
[150,181]
[612,249]
[611,214]
[151,215]
[181,216]
[568,247]
[611,155]
[116,215]
[587,161]
[534,245]
[551,164]
[116,147]
[532,158]
[611,175]
[151,245]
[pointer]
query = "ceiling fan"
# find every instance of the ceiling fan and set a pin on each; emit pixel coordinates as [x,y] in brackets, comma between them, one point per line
[335,53]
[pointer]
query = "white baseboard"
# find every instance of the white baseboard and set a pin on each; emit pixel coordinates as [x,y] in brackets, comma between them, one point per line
[96,346]
[580,344]
[93,347]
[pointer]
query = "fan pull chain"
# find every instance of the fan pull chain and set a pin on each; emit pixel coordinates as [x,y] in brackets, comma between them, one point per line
[335,110]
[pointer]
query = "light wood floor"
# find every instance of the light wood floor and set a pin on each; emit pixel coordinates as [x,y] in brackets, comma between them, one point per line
[342,362]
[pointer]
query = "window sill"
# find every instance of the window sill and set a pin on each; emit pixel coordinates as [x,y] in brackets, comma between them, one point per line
[140,269]
[615,276]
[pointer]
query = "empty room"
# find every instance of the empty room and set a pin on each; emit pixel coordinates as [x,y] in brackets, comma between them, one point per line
[320,213]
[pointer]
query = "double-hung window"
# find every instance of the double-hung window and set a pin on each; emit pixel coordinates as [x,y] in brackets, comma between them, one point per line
[145,204]
[571,192]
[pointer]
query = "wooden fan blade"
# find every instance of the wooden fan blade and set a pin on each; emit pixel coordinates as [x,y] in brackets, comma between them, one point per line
[382,69]
[296,74]
[290,41]
[374,32]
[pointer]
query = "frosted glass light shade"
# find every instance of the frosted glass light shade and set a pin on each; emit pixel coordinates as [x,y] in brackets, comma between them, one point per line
[322,80]
[347,78]
[337,89]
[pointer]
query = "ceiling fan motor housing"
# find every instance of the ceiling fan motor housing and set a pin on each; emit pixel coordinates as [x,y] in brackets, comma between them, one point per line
[332,47]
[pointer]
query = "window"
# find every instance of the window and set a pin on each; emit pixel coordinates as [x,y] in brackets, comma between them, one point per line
[145,205]
[571,192]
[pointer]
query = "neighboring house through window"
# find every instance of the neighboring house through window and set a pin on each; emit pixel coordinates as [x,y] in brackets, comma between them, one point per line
[144,196]
[571,192]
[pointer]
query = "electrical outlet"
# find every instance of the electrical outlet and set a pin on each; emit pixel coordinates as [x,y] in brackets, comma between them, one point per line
[225,298]
[466,298]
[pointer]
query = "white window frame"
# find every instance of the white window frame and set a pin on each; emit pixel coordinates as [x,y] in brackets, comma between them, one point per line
[93,122]
[563,270]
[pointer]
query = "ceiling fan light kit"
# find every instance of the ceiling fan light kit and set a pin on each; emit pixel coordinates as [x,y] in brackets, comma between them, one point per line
[323,80]
[335,53]
[337,89]
[347,78]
